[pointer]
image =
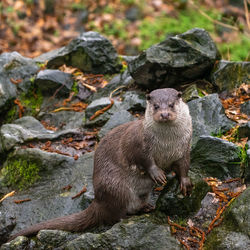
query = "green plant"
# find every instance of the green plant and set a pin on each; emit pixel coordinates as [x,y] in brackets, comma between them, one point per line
[218,133]
[75,88]
[32,100]
[20,173]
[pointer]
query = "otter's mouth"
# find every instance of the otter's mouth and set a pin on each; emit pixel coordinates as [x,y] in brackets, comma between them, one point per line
[164,117]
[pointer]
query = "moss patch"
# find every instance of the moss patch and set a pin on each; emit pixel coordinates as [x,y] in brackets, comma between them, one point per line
[32,100]
[20,173]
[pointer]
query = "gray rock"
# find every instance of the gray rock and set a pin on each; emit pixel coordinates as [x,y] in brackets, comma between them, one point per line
[115,120]
[7,223]
[190,93]
[19,243]
[238,215]
[228,75]
[55,238]
[245,108]
[96,105]
[63,119]
[208,117]
[215,157]
[27,129]
[48,199]
[221,239]
[133,13]
[90,52]
[133,101]
[135,233]
[178,59]
[244,130]
[171,200]
[50,80]
[16,67]
[121,81]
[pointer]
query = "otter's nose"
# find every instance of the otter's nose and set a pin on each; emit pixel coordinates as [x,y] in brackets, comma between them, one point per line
[165,115]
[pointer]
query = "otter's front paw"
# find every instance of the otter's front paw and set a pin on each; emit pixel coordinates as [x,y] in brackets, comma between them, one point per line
[157,175]
[186,186]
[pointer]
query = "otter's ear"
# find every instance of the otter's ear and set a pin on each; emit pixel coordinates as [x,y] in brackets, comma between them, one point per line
[179,94]
[148,97]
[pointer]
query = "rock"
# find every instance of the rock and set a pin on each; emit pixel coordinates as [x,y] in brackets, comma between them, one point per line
[7,223]
[51,80]
[244,130]
[83,92]
[48,199]
[19,243]
[135,233]
[96,105]
[14,67]
[134,101]
[55,238]
[119,82]
[115,120]
[208,117]
[225,240]
[90,52]
[238,215]
[171,200]
[63,119]
[215,157]
[103,118]
[27,129]
[245,108]
[191,93]
[178,59]
[228,75]
[133,13]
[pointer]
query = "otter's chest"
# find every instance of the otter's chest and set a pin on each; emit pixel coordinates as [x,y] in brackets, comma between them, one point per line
[169,148]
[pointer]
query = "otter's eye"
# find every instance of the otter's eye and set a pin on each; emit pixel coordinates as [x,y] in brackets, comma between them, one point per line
[171,105]
[156,106]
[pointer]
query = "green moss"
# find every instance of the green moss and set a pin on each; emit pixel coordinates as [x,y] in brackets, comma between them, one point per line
[75,88]
[218,133]
[11,115]
[32,100]
[213,241]
[40,65]
[20,173]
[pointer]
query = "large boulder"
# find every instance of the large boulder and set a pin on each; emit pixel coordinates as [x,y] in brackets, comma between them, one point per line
[14,68]
[215,157]
[48,198]
[90,52]
[228,75]
[50,81]
[208,117]
[26,129]
[178,59]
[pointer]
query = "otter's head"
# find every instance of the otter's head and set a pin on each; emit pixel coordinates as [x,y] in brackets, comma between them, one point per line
[162,104]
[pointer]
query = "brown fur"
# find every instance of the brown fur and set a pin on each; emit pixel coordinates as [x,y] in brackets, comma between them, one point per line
[129,159]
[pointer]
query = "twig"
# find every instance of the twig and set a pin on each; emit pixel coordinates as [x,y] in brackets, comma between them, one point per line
[21,201]
[211,19]
[80,193]
[8,195]
[101,111]
[247,14]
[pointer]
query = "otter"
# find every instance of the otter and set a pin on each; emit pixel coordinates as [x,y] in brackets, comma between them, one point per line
[129,160]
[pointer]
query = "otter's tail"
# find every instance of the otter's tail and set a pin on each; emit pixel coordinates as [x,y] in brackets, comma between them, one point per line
[90,217]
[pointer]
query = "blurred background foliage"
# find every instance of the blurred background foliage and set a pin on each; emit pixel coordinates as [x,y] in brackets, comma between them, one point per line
[33,27]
